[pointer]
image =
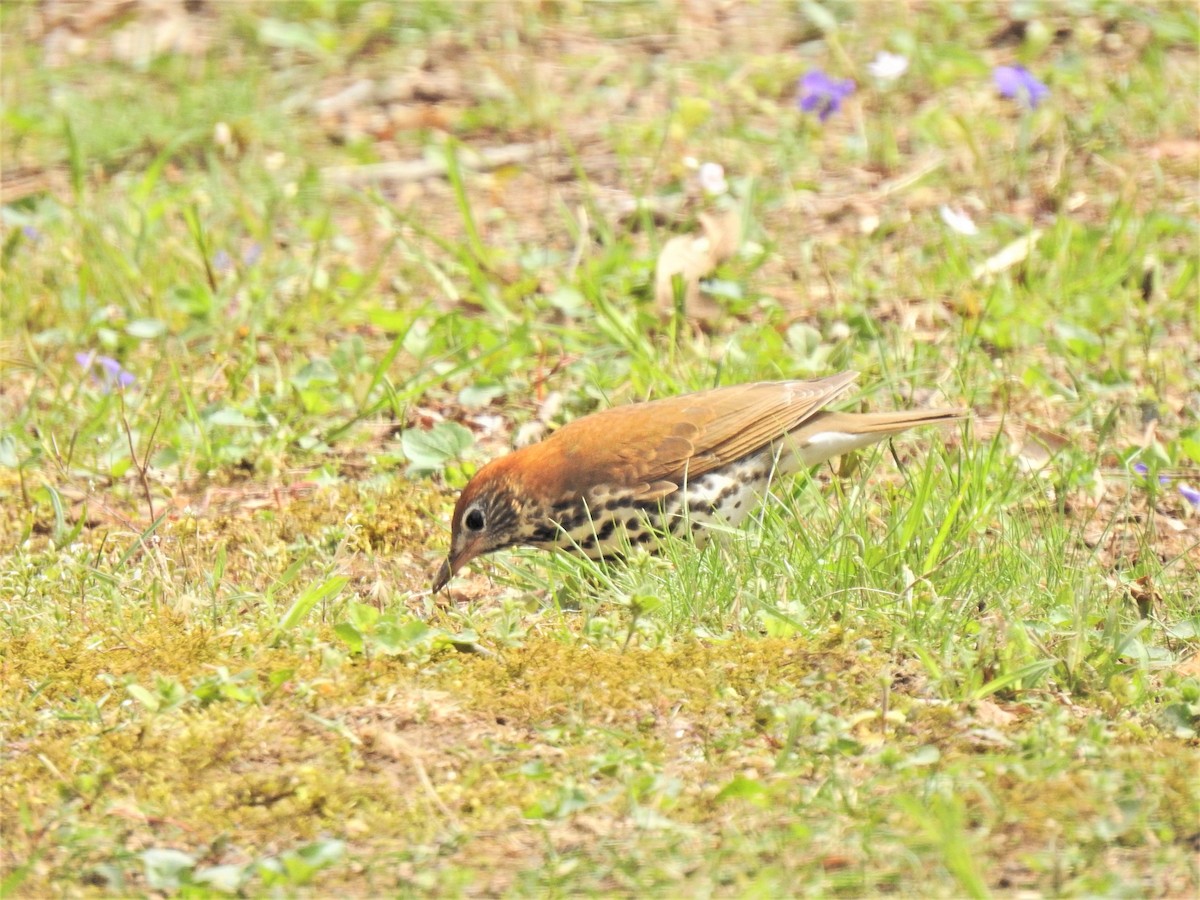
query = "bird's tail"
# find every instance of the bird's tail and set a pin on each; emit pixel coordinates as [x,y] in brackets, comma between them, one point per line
[829,434]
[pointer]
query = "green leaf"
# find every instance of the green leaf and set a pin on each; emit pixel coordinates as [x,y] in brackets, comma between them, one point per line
[925,755]
[1031,672]
[350,635]
[819,16]
[227,879]
[569,301]
[299,866]
[289,36]
[644,604]
[392,320]
[13,880]
[146,329]
[238,694]
[219,565]
[143,696]
[228,417]
[396,635]
[741,787]
[322,853]
[429,451]
[1190,445]
[167,869]
[363,616]
[8,452]
[306,601]
[480,394]
[316,373]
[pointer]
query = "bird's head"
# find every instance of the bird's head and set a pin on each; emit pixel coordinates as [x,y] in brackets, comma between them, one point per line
[486,517]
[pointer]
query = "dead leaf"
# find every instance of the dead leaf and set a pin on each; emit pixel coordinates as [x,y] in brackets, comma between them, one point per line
[1175,148]
[990,713]
[1145,595]
[19,183]
[1038,447]
[419,169]
[725,233]
[1035,447]
[1013,254]
[692,257]
[1190,667]
[348,98]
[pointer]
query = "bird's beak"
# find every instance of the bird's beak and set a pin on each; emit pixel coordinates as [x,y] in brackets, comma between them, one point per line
[444,574]
[455,561]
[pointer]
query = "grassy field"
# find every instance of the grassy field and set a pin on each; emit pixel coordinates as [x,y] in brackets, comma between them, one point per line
[277,277]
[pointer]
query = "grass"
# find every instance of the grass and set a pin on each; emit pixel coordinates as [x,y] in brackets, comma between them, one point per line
[960,665]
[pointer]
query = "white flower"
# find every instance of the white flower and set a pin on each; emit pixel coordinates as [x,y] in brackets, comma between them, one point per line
[888,66]
[712,179]
[958,220]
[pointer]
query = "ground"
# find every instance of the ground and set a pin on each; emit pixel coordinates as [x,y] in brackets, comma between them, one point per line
[278,278]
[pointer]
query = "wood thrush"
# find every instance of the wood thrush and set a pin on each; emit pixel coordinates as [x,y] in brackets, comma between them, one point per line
[621,477]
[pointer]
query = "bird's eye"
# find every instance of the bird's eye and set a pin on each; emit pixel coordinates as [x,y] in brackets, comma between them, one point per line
[474,520]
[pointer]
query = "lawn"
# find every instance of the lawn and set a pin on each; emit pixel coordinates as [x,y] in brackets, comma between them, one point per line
[279,277]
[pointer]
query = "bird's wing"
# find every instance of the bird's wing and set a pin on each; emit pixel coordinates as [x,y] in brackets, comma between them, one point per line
[655,447]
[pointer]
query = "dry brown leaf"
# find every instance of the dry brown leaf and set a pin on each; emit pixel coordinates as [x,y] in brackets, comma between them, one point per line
[1145,595]
[692,257]
[834,862]
[725,233]
[19,183]
[1033,445]
[350,97]
[425,115]
[1038,447]
[1175,148]
[418,169]
[1013,254]
[988,712]
[1190,667]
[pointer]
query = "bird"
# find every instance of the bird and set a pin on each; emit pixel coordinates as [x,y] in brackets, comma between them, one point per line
[623,477]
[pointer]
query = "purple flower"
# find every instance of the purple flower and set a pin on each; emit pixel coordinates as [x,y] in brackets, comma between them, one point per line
[1141,468]
[221,261]
[1017,83]
[113,371]
[1190,494]
[114,374]
[817,92]
[252,253]
[31,234]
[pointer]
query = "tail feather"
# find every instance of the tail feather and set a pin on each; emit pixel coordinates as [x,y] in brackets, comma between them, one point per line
[829,434]
[884,423]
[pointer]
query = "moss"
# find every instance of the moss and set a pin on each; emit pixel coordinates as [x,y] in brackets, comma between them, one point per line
[450,756]
[86,666]
[548,677]
[383,520]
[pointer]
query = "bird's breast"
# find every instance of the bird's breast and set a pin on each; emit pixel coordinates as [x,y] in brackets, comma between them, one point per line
[608,523]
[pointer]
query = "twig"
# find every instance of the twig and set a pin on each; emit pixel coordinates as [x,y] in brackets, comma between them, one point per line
[142,465]
[427,784]
[420,169]
[581,242]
